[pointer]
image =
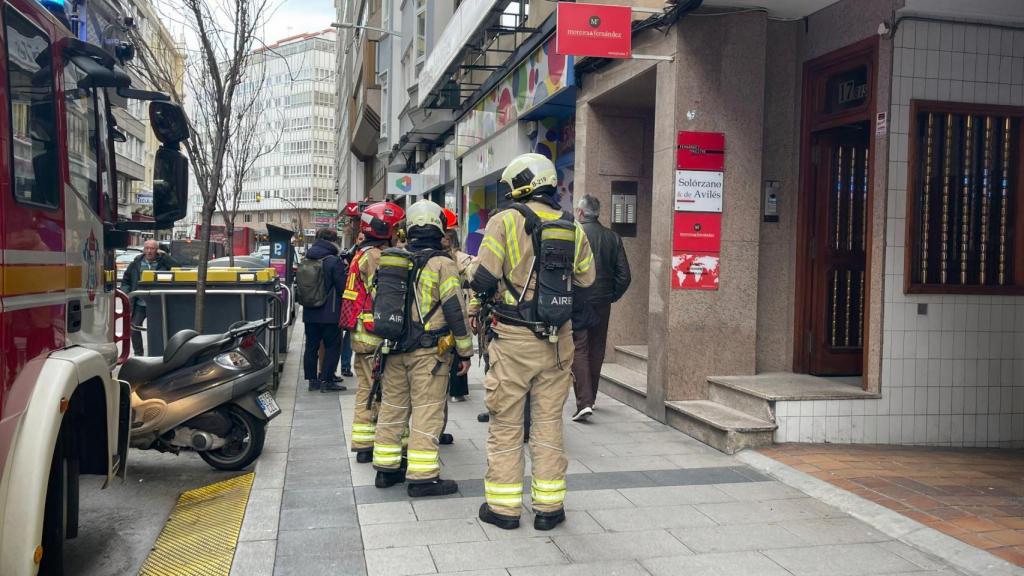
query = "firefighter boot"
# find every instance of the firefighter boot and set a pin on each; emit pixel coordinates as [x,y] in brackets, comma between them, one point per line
[364,456]
[499,520]
[435,487]
[548,520]
[389,479]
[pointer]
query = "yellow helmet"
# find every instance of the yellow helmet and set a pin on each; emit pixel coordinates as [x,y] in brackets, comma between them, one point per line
[526,173]
[425,213]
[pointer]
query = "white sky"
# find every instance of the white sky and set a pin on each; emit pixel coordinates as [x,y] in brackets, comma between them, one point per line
[298,17]
[291,17]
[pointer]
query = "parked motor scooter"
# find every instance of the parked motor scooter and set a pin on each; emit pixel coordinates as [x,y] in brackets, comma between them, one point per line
[208,393]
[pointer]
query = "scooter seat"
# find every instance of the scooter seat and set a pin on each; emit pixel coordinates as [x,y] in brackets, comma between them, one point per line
[142,369]
[180,350]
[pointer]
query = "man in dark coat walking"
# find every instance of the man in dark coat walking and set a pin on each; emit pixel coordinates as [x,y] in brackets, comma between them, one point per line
[612,281]
[321,323]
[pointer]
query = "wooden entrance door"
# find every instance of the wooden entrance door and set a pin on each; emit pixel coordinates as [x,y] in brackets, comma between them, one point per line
[838,246]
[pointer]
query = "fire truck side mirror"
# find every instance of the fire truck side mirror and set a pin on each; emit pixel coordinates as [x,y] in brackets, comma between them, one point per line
[168,122]
[170,186]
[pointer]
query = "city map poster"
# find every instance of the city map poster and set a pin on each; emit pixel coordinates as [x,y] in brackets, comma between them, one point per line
[695,270]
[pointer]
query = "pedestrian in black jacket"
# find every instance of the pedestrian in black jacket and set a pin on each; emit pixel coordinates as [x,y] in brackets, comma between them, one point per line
[150,259]
[593,307]
[321,323]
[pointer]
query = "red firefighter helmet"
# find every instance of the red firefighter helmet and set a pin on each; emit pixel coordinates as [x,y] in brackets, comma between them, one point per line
[450,219]
[351,210]
[379,220]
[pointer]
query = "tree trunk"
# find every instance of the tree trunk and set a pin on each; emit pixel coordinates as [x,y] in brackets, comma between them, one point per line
[229,228]
[204,258]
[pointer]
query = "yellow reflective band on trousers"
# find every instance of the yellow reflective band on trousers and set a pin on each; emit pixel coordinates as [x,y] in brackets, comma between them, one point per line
[424,461]
[387,455]
[201,534]
[510,495]
[548,492]
[363,432]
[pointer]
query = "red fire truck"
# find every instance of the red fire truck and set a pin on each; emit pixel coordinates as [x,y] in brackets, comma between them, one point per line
[62,413]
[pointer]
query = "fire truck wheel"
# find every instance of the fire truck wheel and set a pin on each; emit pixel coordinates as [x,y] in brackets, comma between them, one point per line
[245,441]
[56,513]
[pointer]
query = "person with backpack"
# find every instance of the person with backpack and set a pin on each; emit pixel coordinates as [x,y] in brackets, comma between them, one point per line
[318,284]
[419,309]
[377,225]
[538,254]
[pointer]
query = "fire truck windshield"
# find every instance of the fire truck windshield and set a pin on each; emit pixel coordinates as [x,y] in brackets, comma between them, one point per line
[87,135]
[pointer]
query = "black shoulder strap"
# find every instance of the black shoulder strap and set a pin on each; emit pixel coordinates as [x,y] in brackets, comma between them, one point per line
[532,220]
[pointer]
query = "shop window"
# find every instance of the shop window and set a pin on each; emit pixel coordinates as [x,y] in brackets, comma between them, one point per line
[964,217]
[33,119]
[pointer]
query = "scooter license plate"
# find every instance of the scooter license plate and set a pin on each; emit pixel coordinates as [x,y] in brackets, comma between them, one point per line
[268,405]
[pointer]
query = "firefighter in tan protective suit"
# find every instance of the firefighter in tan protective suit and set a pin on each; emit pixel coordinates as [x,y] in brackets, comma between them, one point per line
[528,353]
[416,370]
[377,224]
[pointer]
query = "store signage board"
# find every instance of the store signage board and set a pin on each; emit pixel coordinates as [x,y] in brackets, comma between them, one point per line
[697,232]
[595,30]
[399,184]
[698,191]
[695,270]
[323,218]
[700,151]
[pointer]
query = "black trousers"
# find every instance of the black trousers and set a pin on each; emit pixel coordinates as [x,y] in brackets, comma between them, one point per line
[138,317]
[330,335]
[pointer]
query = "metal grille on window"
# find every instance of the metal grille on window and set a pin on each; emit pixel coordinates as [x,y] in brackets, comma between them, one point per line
[964,190]
[847,243]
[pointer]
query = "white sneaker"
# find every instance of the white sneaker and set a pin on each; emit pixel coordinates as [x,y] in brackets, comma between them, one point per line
[582,414]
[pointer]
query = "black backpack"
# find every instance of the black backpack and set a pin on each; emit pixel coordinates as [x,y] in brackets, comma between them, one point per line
[554,249]
[397,274]
[310,287]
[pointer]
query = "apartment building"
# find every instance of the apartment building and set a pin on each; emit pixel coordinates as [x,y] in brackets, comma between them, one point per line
[864,277]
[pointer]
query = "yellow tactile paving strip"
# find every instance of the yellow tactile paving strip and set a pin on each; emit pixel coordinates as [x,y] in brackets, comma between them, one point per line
[201,534]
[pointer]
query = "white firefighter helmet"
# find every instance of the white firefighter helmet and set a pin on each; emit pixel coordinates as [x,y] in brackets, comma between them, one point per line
[425,213]
[526,173]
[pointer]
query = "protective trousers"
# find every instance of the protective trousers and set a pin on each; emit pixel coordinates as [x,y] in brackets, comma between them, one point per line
[364,422]
[522,363]
[416,384]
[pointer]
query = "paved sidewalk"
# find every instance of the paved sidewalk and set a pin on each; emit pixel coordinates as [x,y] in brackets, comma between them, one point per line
[975,495]
[644,499]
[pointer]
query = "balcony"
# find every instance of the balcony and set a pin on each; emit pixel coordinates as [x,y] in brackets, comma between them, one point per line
[364,106]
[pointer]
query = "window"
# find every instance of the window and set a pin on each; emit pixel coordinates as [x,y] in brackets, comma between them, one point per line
[262,217]
[247,218]
[421,34]
[385,103]
[286,218]
[80,116]
[33,120]
[964,198]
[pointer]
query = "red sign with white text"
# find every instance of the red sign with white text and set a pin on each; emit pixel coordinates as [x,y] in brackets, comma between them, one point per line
[697,232]
[695,270]
[700,151]
[594,30]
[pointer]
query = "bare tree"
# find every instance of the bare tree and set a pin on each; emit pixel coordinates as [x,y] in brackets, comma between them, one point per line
[224,33]
[250,142]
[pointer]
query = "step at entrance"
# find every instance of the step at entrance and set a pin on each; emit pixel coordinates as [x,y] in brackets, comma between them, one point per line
[625,385]
[632,357]
[718,425]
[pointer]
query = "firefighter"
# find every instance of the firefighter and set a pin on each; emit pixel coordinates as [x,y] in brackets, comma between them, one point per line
[433,320]
[532,350]
[377,225]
